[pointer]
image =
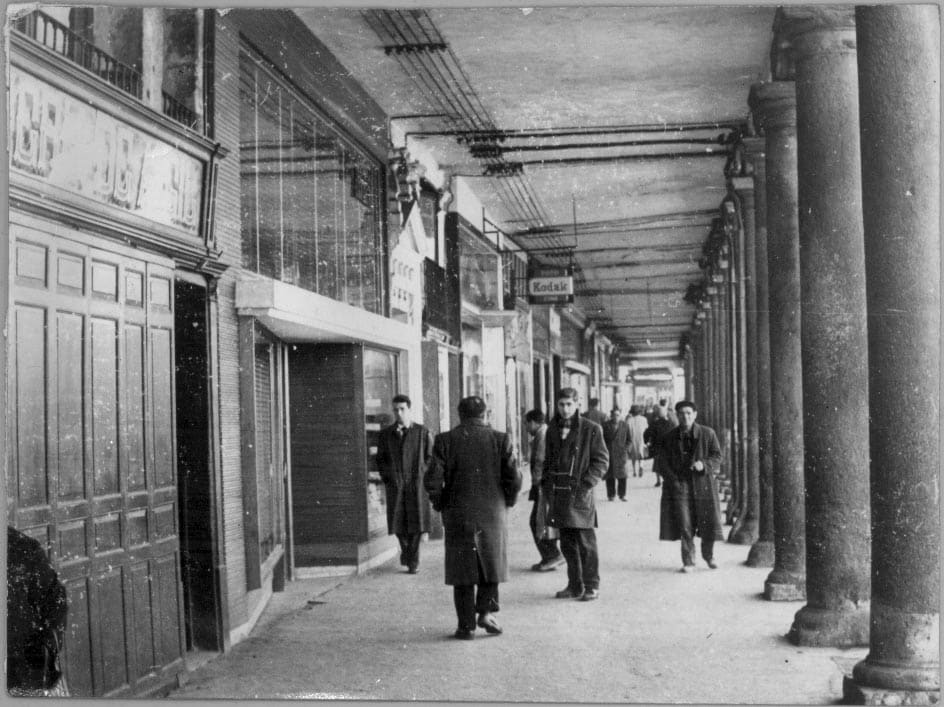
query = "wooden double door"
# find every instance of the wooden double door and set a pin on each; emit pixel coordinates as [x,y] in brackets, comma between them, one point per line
[93,460]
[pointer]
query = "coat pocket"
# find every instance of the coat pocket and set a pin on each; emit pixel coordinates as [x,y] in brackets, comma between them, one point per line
[583,497]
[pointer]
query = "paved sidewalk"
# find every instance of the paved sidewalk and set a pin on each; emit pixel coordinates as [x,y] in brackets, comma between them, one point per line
[654,636]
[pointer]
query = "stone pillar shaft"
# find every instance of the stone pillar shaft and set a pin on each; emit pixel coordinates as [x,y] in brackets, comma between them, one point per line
[758,357]
[746,529]
[774,107]
[834,336]
[900,92]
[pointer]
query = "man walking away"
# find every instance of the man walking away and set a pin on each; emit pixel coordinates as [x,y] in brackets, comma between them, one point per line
[403,453]
[545,537]
[690,494]
[594,412]
[472,481]
[575,462]
[637,429]
[616,437]
[654,436]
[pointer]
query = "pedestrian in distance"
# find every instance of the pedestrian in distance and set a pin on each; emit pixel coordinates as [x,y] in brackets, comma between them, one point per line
[690,505]
[637,443]
[404,450]
[36,619]
[654,437]
[616,437]
[545,537]
[473,481]
[575,461]
[594,412]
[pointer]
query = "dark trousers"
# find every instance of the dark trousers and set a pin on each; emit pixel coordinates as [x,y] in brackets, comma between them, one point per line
[579,546]
[685,513]
[409,549]
[547,548]
[612,485]
[468,602]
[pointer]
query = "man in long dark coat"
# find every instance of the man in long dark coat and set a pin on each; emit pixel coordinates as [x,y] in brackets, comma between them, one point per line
[36,616]
[472,481]
[690,505]
[616,437]
[575,460]
[403,453]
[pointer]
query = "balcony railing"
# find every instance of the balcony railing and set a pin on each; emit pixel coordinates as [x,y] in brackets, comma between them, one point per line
[54,35]
[514,278]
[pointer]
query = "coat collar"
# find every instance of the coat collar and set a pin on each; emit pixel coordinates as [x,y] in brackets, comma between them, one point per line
[696,430]
[474,421]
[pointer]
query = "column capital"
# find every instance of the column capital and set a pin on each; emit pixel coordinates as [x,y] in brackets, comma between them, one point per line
[801,31]
[773,104]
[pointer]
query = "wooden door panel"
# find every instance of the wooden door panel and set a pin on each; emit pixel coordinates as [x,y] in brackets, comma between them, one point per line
[165,582]
[29,409]
[69,407]
[143,620]
[94,462]
[104,396]
[112,666]
[78,640]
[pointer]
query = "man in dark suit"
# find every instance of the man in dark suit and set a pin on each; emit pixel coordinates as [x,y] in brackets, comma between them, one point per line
[692,457]
[403,453]
[472,481]
[576,459]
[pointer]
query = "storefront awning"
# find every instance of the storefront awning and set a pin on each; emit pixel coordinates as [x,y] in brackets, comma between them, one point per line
[300,316]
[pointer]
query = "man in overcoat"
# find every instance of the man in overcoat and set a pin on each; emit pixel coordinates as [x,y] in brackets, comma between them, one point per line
[616,437]
[575,461]
[472,481]
[545,537]
[654,437]
[403,453]
[692,457]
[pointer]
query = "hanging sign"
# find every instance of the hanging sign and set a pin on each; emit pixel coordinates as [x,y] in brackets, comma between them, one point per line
[550,286]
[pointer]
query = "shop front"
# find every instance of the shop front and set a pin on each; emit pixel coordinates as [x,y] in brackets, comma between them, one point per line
[113,258]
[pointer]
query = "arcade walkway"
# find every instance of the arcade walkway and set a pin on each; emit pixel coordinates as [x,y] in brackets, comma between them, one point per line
[655,636]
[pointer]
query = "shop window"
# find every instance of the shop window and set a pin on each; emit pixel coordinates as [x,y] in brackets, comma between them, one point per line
[480,280]
[310,200]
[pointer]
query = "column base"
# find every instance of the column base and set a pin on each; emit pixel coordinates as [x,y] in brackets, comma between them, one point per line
[837,628]
[761,554]
[785,586]
[744,532]
[855,694]
[922,678]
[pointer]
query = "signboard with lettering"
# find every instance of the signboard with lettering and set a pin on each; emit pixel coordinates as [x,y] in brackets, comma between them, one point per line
[68,144]
[550,286]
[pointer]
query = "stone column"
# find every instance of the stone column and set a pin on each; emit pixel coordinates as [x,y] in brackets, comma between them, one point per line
[747,528]
[774,108]
[899,96]
[834,338]
[758,356]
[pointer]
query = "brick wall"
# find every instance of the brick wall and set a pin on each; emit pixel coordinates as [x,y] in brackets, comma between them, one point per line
[226,125]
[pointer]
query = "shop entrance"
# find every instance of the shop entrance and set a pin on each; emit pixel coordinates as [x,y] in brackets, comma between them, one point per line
[197,508]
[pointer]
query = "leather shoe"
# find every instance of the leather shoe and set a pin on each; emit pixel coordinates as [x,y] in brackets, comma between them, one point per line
[623,498]
[549,565]
[568,593]
[687,569]
[464,634]
[488,622]
[590,595]
[413,569]
[536,567]
[711,564]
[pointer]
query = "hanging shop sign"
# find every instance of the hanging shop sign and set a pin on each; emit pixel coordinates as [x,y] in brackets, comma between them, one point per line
[72,146]
[550,286]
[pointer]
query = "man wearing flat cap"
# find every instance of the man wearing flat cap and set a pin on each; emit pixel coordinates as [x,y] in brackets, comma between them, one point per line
[472,481]
[691,458]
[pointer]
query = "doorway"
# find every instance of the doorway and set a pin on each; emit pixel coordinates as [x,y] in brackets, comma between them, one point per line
[202,608]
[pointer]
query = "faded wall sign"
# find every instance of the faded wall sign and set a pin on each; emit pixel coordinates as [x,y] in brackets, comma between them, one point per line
[73,146]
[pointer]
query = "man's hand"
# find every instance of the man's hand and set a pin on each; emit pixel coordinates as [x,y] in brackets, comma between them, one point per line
[698,466]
